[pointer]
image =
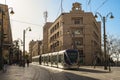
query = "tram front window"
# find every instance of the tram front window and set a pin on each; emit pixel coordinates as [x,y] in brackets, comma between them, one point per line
[71,56]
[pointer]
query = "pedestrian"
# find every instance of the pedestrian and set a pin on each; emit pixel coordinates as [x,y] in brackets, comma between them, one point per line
[4,65]
[27,62]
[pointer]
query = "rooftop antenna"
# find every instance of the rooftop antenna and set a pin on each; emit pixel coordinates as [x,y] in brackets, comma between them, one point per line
[45,16]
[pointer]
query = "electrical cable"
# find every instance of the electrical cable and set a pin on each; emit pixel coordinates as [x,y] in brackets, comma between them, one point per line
[101,5]
[25,22]
[60,8]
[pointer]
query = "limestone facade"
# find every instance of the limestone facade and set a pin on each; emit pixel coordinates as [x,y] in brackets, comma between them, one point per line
[74,30]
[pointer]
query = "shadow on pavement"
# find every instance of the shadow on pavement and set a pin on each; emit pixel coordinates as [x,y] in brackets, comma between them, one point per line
[72,76]
[90,70]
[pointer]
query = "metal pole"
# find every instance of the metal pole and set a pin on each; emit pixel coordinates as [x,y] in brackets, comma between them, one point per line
[73,40]
[104,35]
[5,2]
[23,48]
[1,46]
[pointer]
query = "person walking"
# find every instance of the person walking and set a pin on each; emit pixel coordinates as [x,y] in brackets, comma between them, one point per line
[27,62]
[5,65]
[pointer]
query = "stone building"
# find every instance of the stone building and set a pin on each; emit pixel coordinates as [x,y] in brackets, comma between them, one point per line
[5,31]
[45,36]
[74,30]
[35,48]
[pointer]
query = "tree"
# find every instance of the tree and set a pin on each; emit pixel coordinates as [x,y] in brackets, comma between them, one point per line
[113,47]
[16,52]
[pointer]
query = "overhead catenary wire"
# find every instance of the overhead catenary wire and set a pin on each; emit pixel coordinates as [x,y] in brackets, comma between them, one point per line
[25,22]
[100,5]
[60,8]
[89,4]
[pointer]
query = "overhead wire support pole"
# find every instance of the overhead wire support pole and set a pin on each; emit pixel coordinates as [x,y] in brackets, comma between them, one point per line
[61,6]
[101,5]
[24,31]
[89,4]
[23,48]
[5,2]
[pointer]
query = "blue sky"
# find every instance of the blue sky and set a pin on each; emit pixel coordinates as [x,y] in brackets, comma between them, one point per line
[29,13]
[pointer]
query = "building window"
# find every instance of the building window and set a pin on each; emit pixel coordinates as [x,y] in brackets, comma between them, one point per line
[62,23]
[80,52]
[79,42]
[0,21]
[51,47]
[81,56]
[96,36]
[79,31]
[77,20]
[57,34]
[57,25]
[95,26]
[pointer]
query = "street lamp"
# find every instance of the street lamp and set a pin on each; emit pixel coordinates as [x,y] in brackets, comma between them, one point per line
[11,12]
[2,35]
[103,18]
[20,54]
[24,31]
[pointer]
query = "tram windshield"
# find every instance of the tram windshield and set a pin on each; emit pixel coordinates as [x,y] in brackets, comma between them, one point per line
[71,56]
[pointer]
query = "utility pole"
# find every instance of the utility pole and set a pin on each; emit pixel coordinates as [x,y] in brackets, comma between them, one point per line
[24,31]
[23,48]
[61,6]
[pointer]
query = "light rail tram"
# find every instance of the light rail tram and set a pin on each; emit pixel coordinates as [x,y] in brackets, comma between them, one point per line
[66,59]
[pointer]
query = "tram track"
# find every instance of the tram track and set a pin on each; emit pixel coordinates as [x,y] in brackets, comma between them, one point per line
[35,77]
[51,77]
[42,74]
[51,74]
[68,78]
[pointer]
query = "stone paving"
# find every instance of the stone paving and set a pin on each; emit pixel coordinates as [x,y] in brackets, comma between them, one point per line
[100,74]
[15,72]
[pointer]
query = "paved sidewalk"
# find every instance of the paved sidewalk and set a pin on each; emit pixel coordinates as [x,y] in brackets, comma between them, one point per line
[101,74]
[17,73]
[38,72]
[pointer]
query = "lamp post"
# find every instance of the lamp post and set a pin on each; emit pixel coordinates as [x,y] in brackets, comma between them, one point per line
[24,31]
[103,18]
[2,35]
[11,12]
[20,54]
